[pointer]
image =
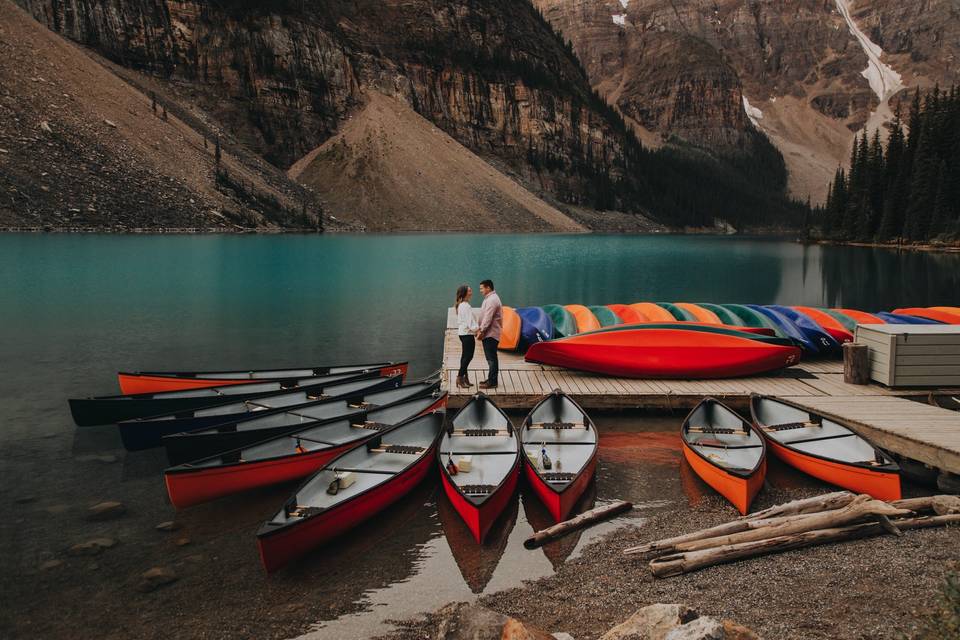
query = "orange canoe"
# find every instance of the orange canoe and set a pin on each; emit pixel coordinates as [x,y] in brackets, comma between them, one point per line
[510,333]
[698,312]
[825,449]
[945,317]
[725,451]
[586,321]
[653,312]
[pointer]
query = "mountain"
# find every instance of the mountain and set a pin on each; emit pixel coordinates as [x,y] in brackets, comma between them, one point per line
[807,73]
[82,149]
[283,77]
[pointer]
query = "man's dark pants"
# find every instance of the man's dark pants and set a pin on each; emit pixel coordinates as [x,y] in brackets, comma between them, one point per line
[490,352]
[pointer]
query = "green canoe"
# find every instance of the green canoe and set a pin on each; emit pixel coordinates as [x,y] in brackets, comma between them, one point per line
[564,324]
[725,315]
[605,316]
[752,318]
[849,323]
[680,314]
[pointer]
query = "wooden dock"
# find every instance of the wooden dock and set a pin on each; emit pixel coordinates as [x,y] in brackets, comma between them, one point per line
[886,416]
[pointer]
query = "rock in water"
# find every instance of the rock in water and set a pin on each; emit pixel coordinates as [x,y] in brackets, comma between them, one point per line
[461,621]
[705,628]
[106,510]
[651,623]
[155,578]
[91,547]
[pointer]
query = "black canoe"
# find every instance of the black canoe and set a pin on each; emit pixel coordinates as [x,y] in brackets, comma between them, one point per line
[193,445]
[88,412]
[145,433]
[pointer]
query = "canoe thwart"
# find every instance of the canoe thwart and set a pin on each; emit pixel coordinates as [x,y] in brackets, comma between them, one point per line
[739,432]
[557,425]
[558,476]
[786,426]
[371,425]
[478,489]
[480,432]
[397,448]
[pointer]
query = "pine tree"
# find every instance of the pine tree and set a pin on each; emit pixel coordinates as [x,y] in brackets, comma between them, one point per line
[940,214]
[922,189]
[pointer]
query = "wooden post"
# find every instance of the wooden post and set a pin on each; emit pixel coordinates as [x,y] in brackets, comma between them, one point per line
[856,363]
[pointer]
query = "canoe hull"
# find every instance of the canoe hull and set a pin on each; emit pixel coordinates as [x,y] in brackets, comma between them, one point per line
[289,543]
[882,485]
[131,383]
[739,490]
[188,489]
[946,317]
[561,503]
[480,518]
[146,434]
[664,353]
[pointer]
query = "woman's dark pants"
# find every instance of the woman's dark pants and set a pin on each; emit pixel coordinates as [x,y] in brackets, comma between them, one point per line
[468,345]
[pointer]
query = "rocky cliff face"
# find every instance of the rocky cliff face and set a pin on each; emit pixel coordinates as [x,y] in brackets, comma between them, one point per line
[699,71]
[282,75]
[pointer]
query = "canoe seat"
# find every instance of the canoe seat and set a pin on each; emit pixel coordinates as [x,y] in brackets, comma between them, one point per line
[478,489]
[359,405]
[373,426]
[558,425]
[480,432]
[300,511]
[787,426]
[398,448]
[716,430]
[558,476]
[317,396]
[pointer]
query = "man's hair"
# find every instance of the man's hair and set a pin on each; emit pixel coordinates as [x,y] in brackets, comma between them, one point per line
[487,283]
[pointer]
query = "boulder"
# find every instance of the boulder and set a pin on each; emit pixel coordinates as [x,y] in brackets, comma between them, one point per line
[155,578]
[461,621]
[703,628]
[91,547]
[169,525]
[106,510]
[653,622]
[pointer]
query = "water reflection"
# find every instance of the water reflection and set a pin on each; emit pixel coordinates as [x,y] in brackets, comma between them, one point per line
[477,562]
[558,551]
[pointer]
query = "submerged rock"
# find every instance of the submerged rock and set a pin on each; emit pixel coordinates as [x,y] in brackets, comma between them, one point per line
[106,510]
[155,578]
[91,547]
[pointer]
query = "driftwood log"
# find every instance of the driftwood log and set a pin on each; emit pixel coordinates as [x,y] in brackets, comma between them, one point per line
[676,564]
[585,519]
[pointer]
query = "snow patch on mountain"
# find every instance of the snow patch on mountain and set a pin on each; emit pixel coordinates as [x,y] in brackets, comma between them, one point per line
[754,114]
[620,19]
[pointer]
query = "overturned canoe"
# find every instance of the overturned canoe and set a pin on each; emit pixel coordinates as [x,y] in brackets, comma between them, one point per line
[479,457]
[111,409]
[652,312]
[725,315]
[785,327]
[832,325]
[586,321]
[750,317]
[725,451]
[252,428]
[825,449]
[860,317]
[156,381]
[510,331]
[699,313]
[564,324]
[605,316]
[670,352]
[627,313]
[289,457]
[897,318]
[535,326]
[813,331]
[146,433]
[350,489]
[938,315]
[559,442]
[678,313]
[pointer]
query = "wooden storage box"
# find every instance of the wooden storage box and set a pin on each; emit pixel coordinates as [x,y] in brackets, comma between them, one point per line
[913,355]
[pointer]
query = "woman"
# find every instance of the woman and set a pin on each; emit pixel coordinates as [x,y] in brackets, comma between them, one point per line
[466,329]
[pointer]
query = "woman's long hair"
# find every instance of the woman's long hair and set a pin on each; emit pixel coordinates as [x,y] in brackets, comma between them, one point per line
[461,294]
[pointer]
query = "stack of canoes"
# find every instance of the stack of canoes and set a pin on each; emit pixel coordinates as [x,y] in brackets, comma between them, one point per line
[357,437]
[730,453]
[658,339]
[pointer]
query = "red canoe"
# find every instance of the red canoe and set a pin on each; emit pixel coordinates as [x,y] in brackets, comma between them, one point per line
[667,353]
[560,446]
[482,434]
[376,475]
[156,381]
[825,449]
[289,457]
[725,451]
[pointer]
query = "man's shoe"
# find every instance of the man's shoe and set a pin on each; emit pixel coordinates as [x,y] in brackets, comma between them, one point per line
[487,385]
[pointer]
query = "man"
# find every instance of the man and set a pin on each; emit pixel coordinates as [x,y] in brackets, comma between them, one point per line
[491,322]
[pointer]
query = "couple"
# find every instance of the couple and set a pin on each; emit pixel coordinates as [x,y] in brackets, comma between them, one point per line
[488,331]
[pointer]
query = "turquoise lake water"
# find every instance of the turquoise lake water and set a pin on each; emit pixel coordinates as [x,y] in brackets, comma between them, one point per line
[76,308]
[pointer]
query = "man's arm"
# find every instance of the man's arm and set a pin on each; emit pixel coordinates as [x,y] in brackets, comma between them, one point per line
[486,317]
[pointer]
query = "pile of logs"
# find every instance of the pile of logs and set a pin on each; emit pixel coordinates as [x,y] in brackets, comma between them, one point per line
[832,517]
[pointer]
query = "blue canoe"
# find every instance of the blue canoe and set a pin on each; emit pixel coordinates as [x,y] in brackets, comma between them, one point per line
[788,328]
[535,326]
[899,318]
[809,327]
